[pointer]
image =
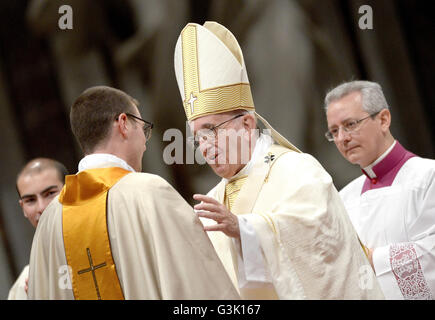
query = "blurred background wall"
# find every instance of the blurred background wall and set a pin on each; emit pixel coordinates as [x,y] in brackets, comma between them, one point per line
[295,50]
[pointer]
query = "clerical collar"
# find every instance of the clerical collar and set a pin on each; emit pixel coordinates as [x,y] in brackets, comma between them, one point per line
[369,169]
[386,167]
[261,146]
[103,160]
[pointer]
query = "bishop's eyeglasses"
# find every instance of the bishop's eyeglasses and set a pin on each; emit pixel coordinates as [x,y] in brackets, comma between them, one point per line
[147,128]
[208,133]
[349,127]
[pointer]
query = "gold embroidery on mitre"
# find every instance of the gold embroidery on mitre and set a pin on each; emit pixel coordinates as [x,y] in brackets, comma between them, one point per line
[197,102]
[190,67]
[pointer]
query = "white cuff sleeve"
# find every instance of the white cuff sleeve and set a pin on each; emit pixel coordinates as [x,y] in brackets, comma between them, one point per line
[400,270]
[384,274]
[252,267]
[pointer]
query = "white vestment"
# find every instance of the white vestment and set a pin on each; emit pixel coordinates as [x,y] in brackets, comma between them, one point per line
[306,241]
[18,291]
[397,220]
[158,244]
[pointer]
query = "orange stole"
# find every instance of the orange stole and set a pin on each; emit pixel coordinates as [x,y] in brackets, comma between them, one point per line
[85,235]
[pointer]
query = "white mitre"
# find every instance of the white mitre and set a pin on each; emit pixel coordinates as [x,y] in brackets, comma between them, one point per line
[211,74]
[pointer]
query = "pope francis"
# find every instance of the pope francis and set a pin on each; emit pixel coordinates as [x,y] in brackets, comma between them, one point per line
[275,219]
[113,232]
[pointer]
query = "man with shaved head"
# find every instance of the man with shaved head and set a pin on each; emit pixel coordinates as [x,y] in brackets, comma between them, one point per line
[37,184]
[39,181]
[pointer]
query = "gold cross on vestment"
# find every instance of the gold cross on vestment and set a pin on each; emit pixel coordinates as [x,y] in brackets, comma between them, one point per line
[92,269]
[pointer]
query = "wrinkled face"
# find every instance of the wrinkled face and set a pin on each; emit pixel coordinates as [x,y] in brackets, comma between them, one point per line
[363,145]
[229,148]
[36,191]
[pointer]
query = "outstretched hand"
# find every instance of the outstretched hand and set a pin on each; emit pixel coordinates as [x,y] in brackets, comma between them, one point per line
[212,209]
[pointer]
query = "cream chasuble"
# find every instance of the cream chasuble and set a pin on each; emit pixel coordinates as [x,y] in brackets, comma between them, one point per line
[307,241]
[306,247]
[18,291]
[158,246]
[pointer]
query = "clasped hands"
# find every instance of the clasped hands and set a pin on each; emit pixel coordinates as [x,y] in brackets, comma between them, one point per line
[211,209]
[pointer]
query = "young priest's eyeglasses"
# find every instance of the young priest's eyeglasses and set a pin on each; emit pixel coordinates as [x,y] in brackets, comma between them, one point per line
[209,133]
[147,128]
[349,127]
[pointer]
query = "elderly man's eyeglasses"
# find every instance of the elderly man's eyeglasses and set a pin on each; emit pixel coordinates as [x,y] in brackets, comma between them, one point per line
[350,126]
[147,128]
[209,133]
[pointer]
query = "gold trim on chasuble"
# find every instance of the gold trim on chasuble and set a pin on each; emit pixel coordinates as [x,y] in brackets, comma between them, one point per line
[197,102]
[365,249]
[255,182]
[85,235]
[232,190]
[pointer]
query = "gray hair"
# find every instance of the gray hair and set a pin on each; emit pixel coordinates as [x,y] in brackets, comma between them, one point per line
[373,99]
